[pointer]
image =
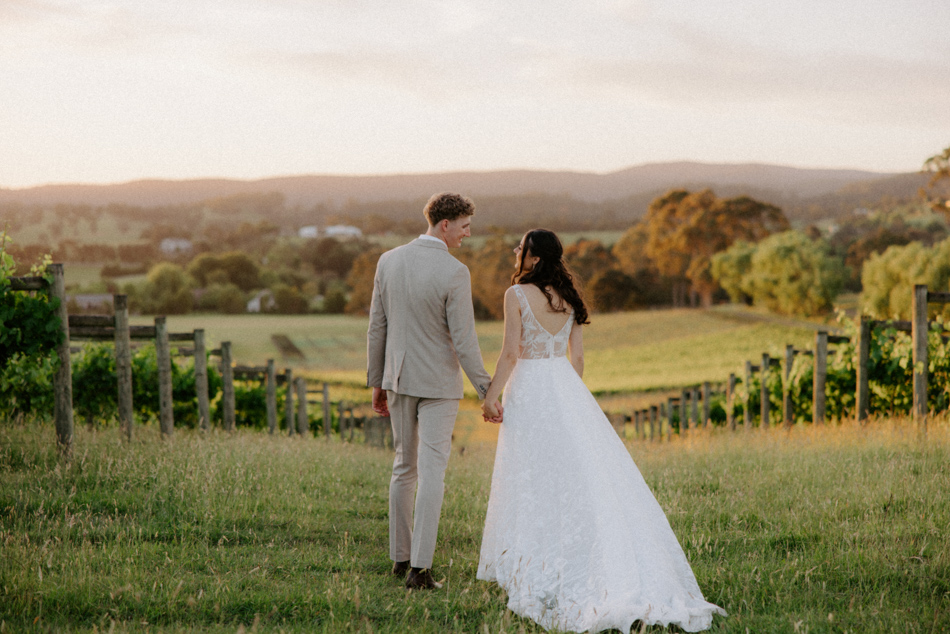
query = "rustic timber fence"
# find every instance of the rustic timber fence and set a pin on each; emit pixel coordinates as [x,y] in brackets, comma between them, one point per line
[377,430]
[649,422]
[116,328]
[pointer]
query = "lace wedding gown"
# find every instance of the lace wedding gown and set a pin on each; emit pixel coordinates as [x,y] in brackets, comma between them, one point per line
[573,534]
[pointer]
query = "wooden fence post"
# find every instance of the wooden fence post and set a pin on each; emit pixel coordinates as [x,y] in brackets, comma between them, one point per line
[746,414]
[303,422]
[271,397]
[227,390]
[289,402]
[694,407]
[166,415]
[669,418]
[63,379]
[787,413]
[730,402]
[684,404]
[636,424]
[653,413]
[864,353]
[765,404]
[201,380]
[123,363]
[327,413]
[342,418]
[707,391]
[921,361]
[819,375]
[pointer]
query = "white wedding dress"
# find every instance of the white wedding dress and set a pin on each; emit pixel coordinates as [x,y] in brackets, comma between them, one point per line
[573,534]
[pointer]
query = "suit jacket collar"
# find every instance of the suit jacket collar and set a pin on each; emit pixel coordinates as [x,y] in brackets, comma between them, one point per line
[430,244]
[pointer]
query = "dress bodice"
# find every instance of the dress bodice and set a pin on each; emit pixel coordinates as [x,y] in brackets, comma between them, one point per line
[536,342]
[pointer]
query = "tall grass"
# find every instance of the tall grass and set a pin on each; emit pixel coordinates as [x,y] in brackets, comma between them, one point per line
[834,529]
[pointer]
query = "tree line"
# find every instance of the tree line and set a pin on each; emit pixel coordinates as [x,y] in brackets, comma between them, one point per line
[690,248]
[694,248]
[685,248]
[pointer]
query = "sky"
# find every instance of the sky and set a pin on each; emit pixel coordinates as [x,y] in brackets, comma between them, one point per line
[110,91]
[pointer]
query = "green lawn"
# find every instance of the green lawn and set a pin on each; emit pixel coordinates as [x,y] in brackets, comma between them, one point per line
[643,350]
[82,276]
[834,529]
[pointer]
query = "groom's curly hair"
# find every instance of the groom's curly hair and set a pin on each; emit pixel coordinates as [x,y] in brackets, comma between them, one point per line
[550,272]
[447,206]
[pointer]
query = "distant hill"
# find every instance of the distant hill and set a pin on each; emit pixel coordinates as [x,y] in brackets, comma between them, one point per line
[774,182]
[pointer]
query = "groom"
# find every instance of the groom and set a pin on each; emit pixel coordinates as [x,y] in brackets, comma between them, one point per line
[421,329]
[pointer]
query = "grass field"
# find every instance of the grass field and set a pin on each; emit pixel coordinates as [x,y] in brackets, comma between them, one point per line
[834,529]
[635,351]
[106,230]
[82,276]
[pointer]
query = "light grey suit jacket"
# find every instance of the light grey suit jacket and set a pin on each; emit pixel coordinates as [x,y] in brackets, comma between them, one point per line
[422,324]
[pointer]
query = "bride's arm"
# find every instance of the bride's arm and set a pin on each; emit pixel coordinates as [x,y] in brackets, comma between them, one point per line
[576,346]
[509,349]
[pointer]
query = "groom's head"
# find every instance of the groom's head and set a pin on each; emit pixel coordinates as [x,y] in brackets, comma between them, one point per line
[449,217]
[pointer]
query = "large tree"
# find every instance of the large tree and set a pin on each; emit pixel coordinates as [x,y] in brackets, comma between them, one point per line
[888,278]
[167,291]
[939,168]
[684,230]
[588,259]
[234,267]
[360,280]
[792,274]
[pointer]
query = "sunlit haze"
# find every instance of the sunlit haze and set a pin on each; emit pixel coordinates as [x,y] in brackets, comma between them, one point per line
[109,91]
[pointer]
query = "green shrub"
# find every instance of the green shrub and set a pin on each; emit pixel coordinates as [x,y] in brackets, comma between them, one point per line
[95,392]
[26,386]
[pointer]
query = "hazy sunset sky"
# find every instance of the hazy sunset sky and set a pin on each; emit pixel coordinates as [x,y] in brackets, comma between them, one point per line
[109,91]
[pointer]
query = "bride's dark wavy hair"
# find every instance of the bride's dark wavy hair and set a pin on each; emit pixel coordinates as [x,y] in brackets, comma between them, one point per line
[550,271]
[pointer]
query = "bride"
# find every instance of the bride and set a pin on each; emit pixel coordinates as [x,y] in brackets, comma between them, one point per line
[573,534]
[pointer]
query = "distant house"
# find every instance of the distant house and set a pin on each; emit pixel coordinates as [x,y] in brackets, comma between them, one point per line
[262,301]
[310,231]
[174,246]
[343,231]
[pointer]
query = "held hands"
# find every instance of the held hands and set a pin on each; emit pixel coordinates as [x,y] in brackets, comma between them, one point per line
[492,411]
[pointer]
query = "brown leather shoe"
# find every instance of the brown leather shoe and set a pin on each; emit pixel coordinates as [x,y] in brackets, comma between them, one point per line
[421,579]
[400,568]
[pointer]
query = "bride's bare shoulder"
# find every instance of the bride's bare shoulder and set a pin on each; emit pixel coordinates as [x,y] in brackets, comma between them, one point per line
[539,302]
[511,298]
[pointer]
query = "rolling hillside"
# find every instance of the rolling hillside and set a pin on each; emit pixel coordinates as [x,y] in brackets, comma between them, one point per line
[335,190]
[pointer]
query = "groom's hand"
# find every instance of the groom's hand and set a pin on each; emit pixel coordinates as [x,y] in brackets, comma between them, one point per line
[492,412]
[380,401]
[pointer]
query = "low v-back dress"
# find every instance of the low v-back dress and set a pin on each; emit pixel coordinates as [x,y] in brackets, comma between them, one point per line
[573,534]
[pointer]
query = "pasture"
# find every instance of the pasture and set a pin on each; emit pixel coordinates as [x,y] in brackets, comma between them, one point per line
[828,529]
[633,351]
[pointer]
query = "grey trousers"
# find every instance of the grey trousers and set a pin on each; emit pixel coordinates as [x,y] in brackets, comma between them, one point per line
[422,435]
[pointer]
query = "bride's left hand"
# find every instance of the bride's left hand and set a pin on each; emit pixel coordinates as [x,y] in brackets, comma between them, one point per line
[492,412]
